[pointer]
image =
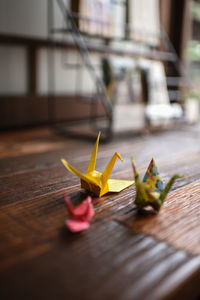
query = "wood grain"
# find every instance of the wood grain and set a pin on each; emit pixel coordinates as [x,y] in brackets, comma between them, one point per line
[178,222]
[122,255]
[106,262]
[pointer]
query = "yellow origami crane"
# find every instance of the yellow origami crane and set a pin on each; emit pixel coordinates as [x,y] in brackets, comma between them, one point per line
[96,182]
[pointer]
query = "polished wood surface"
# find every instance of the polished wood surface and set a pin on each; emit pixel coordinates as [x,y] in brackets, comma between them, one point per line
[124,255]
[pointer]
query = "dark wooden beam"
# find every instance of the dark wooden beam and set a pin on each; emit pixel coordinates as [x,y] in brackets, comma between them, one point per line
[94,48]
[176,24]
[165,14]
[28,110]
[32,69]
[180,26]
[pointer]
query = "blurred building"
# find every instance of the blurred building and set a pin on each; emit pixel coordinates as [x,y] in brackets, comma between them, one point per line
[39,60]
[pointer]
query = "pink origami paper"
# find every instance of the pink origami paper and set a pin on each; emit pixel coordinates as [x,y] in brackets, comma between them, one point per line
[79,217]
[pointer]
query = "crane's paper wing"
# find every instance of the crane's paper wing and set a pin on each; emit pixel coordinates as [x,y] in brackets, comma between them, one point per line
[117,185]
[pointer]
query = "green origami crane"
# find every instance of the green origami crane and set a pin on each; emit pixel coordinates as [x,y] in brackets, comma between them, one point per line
[151,191]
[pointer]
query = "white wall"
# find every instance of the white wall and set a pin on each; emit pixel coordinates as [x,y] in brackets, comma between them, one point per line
[25,17]
[21,17]
[65,77]
[29,18]
[13,70]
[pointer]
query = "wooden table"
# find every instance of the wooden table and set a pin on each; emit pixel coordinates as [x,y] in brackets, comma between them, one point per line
[123,255]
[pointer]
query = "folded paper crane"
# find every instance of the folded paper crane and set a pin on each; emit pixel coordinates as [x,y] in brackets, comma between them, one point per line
[79,217]
[151,191]
[96,182]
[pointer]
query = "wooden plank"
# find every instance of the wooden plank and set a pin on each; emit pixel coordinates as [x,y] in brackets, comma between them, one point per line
[45,173]
[27,144]
[106,262]
[178,221]
[122,255]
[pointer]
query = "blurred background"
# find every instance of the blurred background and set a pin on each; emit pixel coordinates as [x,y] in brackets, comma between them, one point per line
[110,65]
